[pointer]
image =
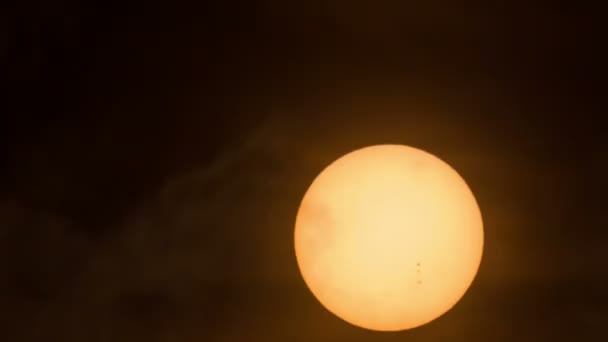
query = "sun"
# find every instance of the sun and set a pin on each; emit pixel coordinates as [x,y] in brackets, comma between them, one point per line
[388,237]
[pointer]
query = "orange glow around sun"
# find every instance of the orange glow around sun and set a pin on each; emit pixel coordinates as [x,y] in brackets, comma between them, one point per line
[388,237]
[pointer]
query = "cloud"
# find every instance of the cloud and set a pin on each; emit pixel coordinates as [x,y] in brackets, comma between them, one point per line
[41,259]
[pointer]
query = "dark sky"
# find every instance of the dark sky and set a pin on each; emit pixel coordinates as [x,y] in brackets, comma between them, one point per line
[153,156]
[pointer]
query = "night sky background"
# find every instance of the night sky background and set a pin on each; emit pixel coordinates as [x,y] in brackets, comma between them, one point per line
[153,156]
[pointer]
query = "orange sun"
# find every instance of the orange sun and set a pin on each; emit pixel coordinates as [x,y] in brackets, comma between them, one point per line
[388,237]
